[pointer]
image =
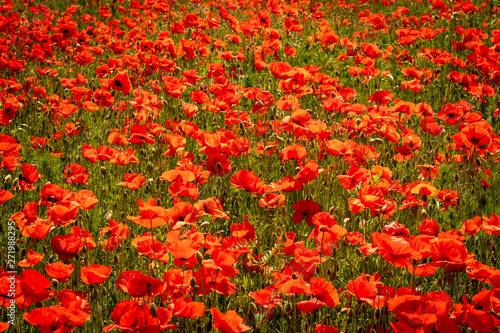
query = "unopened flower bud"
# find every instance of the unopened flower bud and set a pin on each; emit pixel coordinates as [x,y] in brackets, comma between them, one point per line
[152,309]
[199,257]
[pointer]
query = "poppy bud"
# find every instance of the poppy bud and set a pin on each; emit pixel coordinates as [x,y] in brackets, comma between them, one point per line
[295,276]
[153,150]
[118,248]
[192,282]
[346,220]
[208,328]
[333,276]
[488,243]
[318,270]
[329,271]
[284,238]
[204,224]
[115,259]
[6,179]
[196,288]
[253,307]
[55,283]
[288,307]
[152,309]
[424,213]
[199,257]
[362,136]
[243,289]
[95,293]
[280,308]
[104,292]
[283,211]
[358,252]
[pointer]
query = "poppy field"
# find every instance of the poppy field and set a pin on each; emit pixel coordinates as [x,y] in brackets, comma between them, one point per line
[249,166]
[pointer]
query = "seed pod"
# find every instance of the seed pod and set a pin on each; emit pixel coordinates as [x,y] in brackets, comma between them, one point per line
[152,309]
[288,307]
[284,238]
[283,211]
[199,257]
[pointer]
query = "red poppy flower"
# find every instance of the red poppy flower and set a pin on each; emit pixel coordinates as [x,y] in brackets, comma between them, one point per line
[137,284]
[95,274]
[222,262]
[305,209]
[179,189]
[29,176]
[182,213]
[86,199]
[210,280]
[121,82]
[450,254]
[35,288]
[310,305]
[296,152]
[324,291]
[429,227]
[60,271]
[117,232]
[76,174]
[326,229]
[184,252]
[381,97]
[5,196]
[249,181]
[228,322]
[32,259]
[149,246]
[368,290]
[52,193]
[63,213]
[218,165]
[133,181]
[272,200]
[151,216]
[66,246]
[322,328]
[188,309]
[56,318]
[130,317]
[267,298]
